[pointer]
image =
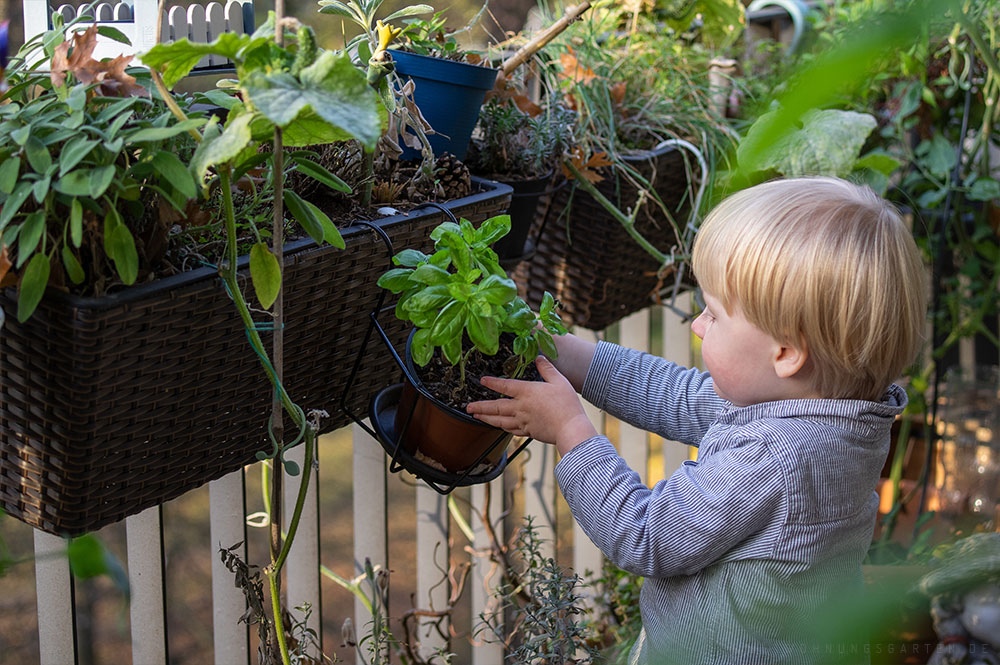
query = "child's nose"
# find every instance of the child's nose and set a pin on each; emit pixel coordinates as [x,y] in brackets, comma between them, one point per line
[698,326]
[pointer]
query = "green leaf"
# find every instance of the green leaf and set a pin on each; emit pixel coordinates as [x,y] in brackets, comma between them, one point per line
[468,231]
[32,287]
[124,254]
[14,202]
[100,180]
[411,258]
[41,188]
[460,291]
[9,171]
[484,334]
[548,304]
[827,143]
[938,155]
[931,198]
[431,298]
[984,189]
[38,155]
[497,290]
[546,345]
[86,557]
[452,349]
[421,348]
[20,136]
[73,152]
[332,88]
[266,274]
[113,33]
[31,232]
[76,222]
[75,183]
[175,60]
[449,323]
[878,161]
[173,170]
[320,174]
[493,229]
[216,148]
[429,273]
[221,98]
[147,134]
[331,234]
[411,10]
[396,280]
[304,216]
[72,265]
[520,318]
[77,97]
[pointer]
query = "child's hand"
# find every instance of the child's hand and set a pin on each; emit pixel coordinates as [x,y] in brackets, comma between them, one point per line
[549,412]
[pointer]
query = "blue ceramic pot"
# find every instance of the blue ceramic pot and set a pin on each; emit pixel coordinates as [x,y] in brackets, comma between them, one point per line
[449,94]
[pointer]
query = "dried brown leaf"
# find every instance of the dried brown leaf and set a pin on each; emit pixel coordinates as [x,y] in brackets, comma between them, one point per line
[573,70]
[5,263]
[80,62]
[588,167]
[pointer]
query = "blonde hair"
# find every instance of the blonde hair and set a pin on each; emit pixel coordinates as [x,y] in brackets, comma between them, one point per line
[823,263]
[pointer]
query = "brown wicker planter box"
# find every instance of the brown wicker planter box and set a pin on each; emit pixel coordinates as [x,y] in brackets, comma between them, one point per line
[587,260]
[111,405]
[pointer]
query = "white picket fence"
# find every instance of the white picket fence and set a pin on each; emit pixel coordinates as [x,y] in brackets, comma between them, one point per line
[136,19]
[145,565]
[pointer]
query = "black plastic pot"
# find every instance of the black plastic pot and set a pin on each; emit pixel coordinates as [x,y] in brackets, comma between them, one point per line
[524,204]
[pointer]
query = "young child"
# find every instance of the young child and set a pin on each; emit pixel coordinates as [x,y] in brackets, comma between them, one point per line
[814,303]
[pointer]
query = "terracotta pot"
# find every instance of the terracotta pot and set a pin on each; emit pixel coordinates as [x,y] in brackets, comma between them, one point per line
[448,436]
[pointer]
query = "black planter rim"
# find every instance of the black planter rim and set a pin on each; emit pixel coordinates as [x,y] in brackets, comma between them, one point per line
[488,189]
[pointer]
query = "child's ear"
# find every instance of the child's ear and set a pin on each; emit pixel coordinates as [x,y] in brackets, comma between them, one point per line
[789,360]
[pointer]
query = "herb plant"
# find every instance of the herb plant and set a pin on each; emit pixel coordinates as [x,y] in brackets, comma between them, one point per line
[517,138]
[460,291]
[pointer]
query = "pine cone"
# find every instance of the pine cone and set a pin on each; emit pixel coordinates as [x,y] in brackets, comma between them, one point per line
[453,176]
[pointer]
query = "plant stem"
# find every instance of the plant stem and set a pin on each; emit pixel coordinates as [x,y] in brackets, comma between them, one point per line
[625,221]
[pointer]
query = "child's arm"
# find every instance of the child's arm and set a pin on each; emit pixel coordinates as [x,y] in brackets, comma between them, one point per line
[683,524]
[651,393]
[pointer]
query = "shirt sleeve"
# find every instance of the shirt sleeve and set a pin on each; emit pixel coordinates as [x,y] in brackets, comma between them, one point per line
[651,393]
[684,523]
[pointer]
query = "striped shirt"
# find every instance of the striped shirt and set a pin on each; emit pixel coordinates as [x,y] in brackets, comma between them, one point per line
[737,548]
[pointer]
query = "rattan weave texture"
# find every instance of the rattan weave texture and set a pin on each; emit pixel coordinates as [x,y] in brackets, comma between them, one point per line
[109,406]
[588,261]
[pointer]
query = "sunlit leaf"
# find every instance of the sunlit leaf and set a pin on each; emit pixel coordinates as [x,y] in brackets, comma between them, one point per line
[265,273]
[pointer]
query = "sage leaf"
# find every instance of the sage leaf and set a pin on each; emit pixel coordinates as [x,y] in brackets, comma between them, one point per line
[32,287]
[31,232]
[41,188]
[411,10]
[76,222]
[14,202]
[114,34]
[148,134]
[265,273]
[75,183]
[173,170]
[9,171]
[124,254]
[72,265]
[304,216]
[100,179]
[38,155]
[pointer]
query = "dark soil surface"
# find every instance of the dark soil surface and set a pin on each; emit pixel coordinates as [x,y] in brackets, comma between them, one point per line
[441,378]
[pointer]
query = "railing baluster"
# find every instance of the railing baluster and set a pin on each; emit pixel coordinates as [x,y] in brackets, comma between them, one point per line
[215,16]
[198,28]
[302,565]
[227,510]
[54,594]
[432,563]
[144,538]
[370,527]
[484,577]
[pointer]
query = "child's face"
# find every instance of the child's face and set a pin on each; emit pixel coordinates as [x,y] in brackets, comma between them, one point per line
[739,356]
